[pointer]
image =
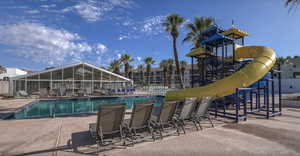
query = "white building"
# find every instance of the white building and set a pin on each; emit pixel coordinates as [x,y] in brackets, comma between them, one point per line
[157,77]
[291,69]
[81,79]
[290,74]
[12,72]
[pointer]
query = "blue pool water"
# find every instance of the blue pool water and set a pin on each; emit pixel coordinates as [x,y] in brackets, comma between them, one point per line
[51,108]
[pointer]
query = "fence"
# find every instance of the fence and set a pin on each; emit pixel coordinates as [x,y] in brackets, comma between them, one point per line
[289,85]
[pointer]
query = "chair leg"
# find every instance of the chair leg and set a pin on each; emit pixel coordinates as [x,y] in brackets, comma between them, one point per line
[101,136]
[160,134]
[98,151]
[182,124]
[123,139]
[212,124]
[161,129]
[195,124]
[134,133]
[198,121]
[176,126]
[151,130]
[161,126]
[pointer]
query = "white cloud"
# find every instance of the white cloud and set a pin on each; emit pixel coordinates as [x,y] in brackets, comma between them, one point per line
[100,48]
[139,58]
[152,25]
[45,45]
[33,11]
[94,10]
[147,27]
[119,55]
[48,6]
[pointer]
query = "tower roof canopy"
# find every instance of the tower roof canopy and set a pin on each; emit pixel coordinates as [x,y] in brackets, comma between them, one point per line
[235,33]
[199,53]
[216,39]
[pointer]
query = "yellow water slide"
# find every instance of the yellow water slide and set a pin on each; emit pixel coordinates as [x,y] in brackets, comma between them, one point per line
[263,60]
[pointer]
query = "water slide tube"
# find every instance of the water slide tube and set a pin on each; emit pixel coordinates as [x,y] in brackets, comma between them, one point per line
[263,60]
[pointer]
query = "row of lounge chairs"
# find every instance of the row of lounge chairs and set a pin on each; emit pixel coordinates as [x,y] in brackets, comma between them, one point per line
[122,91]
[142,123]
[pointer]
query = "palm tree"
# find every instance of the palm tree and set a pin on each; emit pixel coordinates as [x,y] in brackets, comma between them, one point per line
[183,65]
[2,69]
[164,66]
[282,61]
[141,71]
[195,36]
[126,59]
[115,66]
[172,23]
[148,61]
[170,71]
[195,29]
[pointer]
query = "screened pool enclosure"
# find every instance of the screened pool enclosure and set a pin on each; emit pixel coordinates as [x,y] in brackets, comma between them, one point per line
[73,80]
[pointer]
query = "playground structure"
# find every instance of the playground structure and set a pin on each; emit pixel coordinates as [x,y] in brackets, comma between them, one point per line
[240,77]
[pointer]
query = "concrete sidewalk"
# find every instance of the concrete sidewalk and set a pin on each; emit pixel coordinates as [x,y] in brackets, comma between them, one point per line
[69,136]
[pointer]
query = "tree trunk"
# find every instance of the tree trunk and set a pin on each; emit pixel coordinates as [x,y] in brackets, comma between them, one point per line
[148,74]
[142,77]
[170,79]
[165,77]
[182,73]
[177,62]
[126,70]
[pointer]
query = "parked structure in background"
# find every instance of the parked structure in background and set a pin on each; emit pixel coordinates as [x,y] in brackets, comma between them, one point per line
[12,72]
[291,75]
[80,79]
[291,69]
[5,75]
[157,77]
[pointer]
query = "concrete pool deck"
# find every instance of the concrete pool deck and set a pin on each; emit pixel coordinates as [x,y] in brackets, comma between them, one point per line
[69,136]
[9,106]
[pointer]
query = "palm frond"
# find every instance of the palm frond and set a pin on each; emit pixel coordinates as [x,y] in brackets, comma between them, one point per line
[173,22]
[149,60]
[291,2]
[199,25]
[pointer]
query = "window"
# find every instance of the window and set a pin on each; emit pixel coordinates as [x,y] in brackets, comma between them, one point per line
[296,75]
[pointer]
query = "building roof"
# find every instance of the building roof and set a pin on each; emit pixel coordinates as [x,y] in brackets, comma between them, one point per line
[212,30]
[12,72]
[235,33]
[199,53]
[68,66]
[216,38]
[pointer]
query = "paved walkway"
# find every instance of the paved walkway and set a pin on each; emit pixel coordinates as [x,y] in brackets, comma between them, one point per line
[69,136]
[9,106]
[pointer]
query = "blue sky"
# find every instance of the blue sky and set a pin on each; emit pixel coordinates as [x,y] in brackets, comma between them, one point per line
[35,34]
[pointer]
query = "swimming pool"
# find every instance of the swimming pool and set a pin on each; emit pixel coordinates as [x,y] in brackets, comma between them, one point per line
[63,107]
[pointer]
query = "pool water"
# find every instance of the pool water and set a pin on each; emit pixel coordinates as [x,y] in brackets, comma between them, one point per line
[51,108]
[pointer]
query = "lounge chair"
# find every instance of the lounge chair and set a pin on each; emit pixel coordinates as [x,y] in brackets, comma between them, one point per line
[140,119]
[165,118]
[23,93]
[109,124]
[100,92]
[52,92]
[202,111]
[186,111]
